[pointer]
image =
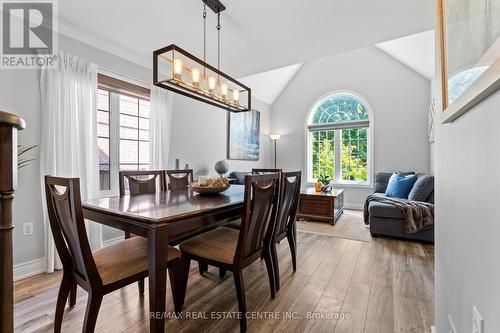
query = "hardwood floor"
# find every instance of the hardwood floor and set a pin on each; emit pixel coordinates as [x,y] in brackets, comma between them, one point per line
[341,285]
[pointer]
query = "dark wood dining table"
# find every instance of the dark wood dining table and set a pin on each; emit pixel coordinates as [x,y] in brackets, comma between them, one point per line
[163,218]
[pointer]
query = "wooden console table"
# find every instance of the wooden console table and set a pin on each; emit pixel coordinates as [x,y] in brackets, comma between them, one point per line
[323,206]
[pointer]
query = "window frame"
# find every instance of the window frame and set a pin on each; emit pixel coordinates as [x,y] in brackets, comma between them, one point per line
[117,86]
[311,128]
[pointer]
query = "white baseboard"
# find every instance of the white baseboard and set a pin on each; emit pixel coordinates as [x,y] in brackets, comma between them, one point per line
[112,241]
[30,268]
[33,267]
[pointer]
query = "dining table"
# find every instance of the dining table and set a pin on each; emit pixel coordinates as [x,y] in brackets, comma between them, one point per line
[164,218]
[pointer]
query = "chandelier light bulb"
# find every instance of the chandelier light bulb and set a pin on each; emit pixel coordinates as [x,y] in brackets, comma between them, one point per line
[236,96]
[195,76]
[178,69]
[223,90]
[211,84]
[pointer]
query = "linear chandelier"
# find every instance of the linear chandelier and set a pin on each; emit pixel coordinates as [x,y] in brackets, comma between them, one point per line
[181,72]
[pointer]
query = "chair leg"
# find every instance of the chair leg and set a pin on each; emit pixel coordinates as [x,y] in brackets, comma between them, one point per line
[270,271]
[292,242]
[276,267]
[222,272]
[240,292]
[202,267]
[175,274]
[184,275]
[72,295]
[92,311]
[140,283]
[64,290]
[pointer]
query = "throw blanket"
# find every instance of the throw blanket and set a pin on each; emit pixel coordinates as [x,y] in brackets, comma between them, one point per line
[417,215]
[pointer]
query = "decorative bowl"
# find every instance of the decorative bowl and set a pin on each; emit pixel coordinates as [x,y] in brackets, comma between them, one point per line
[208,190]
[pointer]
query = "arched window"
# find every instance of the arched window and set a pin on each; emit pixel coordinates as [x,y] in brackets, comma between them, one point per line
[338,139]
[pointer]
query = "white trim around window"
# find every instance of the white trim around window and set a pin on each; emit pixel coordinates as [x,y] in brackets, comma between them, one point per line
[308,130]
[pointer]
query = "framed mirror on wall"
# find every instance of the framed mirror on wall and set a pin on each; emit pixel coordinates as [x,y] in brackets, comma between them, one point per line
[469,38]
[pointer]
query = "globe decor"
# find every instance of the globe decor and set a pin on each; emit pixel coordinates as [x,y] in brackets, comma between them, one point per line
[221,167]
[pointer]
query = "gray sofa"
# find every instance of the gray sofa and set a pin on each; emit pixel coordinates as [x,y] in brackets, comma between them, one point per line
[387,220]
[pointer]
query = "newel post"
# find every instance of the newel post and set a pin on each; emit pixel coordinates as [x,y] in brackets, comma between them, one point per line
[9,125]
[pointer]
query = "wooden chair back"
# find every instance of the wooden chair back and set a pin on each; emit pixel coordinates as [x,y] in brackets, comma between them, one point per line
[259,216]
[256,171]
[68,228]
[179,179]
[142,181]
[288,202]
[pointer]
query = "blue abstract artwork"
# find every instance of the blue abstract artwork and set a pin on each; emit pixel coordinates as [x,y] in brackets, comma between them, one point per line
[243,136]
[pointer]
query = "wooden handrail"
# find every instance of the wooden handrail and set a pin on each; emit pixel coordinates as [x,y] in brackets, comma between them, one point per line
[9,125]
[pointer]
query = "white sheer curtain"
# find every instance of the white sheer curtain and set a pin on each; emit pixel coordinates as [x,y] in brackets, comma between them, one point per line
[160,127]
[69,136]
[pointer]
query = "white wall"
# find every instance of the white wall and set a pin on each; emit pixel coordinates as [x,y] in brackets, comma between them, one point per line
[467,218]
[199,135]
[399,98]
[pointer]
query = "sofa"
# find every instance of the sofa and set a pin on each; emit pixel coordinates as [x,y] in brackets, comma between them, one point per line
[239,176]
[386,220]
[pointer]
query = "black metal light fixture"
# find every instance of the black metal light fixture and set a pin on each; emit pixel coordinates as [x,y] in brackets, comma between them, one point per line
[181,72]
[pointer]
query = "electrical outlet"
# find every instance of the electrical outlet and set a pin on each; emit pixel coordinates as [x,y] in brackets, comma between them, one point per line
[27,228]
[477,321]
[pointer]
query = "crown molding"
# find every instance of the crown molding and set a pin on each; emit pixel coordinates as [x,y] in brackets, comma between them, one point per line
[78,34]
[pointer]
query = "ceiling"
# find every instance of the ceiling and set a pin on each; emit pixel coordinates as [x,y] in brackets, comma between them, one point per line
[415,51]
[268,86]
[256,35]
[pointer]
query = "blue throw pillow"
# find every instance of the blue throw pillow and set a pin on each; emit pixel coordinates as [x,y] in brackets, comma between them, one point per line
[400,185]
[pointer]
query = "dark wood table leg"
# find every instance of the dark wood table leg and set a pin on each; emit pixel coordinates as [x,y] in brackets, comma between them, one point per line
[157,256]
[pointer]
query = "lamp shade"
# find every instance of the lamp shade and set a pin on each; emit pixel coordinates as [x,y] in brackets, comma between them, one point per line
[275,137]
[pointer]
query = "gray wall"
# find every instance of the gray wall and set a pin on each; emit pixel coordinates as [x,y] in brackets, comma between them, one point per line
[467,218]
[20,94]
[199,136]
[399,98]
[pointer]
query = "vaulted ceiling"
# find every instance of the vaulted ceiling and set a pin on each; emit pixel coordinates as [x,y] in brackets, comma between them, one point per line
[257,35]
[416,51]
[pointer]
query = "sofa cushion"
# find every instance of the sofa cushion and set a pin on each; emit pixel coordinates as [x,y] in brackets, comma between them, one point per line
[423,188]
[239,176]
[384,210]
[400,185]
[382,179]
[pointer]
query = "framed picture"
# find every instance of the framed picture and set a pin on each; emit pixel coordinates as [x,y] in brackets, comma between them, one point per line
[469,38]
[243,138]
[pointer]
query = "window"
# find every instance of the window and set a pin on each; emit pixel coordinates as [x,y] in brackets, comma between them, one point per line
[103,139]
[338,140]
[123,129]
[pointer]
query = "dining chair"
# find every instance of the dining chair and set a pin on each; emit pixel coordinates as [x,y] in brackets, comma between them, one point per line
[99,272]
[179,179]
[232,249]
[257,171]
[286,219]
[236,223]
[142,181]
